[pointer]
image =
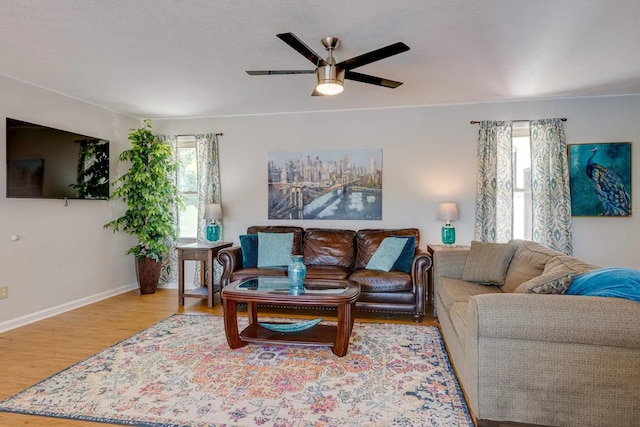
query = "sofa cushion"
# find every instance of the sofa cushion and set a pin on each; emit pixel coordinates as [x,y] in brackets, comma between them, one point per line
[487,263]
[274,249]
[333,272]
[329,247]
[529,261]
[247,273]
[404,261]
[387,254]
[557,276]
[249,245]
[456,290]
[368,240]
[458,316]
[554,282]
[382,281]
[388,300]
[566,261]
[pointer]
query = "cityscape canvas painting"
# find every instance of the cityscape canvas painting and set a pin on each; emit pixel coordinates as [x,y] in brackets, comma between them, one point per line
[326,184]
[600,179]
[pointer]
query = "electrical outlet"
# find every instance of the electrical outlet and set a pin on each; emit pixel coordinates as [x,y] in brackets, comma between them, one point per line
[4,292]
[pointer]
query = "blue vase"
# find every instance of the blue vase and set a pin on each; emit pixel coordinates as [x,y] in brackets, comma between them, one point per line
[296,272]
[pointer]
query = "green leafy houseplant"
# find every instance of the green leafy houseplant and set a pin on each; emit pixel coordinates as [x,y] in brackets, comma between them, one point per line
[150,193]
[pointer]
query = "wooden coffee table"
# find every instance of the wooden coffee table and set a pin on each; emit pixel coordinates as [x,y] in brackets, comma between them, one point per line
[341,294]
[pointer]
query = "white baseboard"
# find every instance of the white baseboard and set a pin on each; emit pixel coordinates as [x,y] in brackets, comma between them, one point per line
[59,309]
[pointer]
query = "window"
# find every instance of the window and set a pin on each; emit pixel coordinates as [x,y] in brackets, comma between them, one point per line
[522,204]
[188,188]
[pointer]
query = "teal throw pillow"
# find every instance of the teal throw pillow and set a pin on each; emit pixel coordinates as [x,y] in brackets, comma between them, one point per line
[249,244]
[404,261]
[387,253]
[274,249]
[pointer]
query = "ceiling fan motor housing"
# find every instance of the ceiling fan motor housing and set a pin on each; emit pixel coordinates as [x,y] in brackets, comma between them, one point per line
[330,74]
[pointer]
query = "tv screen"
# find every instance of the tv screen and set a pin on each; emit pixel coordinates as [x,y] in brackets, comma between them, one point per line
[48,163]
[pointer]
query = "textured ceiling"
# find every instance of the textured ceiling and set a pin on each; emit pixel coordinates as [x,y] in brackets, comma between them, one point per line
[187,58]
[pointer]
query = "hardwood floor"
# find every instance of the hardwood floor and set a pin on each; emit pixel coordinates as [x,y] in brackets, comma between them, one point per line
[34,352]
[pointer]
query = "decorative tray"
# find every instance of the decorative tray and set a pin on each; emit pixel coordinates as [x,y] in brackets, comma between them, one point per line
[291,327]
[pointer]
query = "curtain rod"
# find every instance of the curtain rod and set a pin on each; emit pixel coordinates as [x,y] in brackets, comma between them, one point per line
[190,134]
[474,122]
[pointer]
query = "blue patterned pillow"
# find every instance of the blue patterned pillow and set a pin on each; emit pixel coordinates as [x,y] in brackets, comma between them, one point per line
[616,282]
[387,253]
[404,261]
[249,244]
[274,249]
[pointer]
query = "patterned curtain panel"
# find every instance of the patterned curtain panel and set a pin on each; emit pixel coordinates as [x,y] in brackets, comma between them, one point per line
[169,272]
[550,185]
[494,188]
[208,188]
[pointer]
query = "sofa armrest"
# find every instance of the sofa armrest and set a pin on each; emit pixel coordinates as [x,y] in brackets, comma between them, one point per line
[529,356]
[231,260]
[448,262]
[420,266]
[556,318]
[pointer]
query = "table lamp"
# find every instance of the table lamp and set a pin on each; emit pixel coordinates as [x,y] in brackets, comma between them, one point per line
[448,211]
[213,212]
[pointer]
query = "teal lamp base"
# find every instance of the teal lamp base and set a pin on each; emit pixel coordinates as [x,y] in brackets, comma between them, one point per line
[213,232]
[448,235]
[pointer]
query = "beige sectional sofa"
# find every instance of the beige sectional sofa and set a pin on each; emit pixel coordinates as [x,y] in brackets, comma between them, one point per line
[543,359]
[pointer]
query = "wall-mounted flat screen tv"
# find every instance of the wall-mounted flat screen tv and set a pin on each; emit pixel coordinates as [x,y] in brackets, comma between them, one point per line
[48,163]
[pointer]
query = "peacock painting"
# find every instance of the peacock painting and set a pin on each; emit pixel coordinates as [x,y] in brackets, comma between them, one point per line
[600,179]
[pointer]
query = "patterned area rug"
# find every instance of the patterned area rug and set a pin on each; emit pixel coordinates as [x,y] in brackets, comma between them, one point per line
[180,372]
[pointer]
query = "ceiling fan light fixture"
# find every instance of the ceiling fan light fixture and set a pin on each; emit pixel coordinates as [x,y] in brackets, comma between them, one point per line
[330,80]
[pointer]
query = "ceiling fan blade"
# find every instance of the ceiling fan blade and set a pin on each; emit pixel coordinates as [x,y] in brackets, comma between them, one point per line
[374,55]
[366,78]
[303,49]
[269,72]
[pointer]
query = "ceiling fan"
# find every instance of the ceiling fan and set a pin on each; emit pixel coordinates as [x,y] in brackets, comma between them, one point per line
[331,75]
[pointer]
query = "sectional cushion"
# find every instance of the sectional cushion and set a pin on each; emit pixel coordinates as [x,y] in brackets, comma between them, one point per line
[487,263]
[456,290]
[333,272]
[382,281]
[529,261]
[329,247]
[458,315]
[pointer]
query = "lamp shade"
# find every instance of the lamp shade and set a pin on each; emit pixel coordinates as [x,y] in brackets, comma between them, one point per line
[448,211]
[213,211]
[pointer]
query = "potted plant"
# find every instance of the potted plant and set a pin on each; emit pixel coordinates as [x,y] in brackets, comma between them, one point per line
[151,194]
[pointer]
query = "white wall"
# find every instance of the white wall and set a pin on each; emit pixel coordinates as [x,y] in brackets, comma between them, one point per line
[429,155]
[63,256]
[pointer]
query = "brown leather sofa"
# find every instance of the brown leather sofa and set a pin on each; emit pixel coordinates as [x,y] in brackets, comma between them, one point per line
[343,254]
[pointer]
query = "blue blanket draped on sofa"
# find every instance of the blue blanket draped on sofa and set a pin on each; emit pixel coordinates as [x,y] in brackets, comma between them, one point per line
[616,282]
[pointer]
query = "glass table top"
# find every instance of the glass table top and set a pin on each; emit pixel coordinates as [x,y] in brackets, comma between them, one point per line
[281,284]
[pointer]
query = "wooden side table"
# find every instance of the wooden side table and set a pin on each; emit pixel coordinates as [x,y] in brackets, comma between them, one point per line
[205,253]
